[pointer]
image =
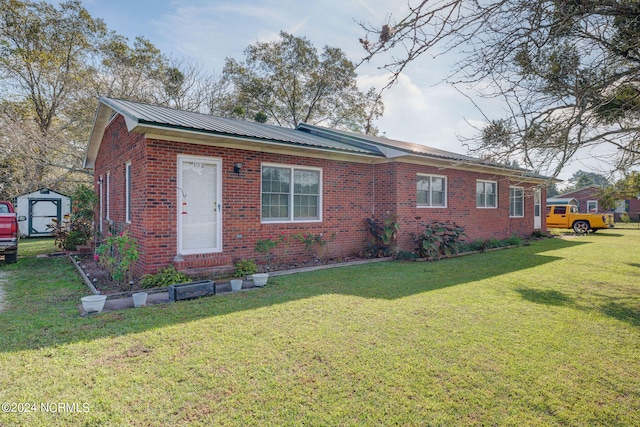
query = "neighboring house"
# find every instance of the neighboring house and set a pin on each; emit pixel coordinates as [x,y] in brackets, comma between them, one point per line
[589,201]
[198,191]
[629,206]
[587,198]
[37,211]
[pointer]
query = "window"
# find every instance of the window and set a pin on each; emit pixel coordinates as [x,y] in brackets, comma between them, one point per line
[592,206]
[486,194]
[432,191]
[516,202]
[290,193]
[127,180]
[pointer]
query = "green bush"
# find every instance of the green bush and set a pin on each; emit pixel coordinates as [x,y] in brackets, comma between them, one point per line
[406,256]
[73,239]
[164,277]
[245,267]
[438,239]
[382,235]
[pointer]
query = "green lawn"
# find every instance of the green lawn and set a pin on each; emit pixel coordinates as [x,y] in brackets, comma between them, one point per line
[547,334]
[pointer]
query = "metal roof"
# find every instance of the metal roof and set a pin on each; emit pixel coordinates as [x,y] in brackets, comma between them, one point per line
[158,116]
[401,147]
[145,117]
[562,201]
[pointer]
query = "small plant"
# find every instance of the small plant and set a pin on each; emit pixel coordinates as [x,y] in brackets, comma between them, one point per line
[539,234]
[625,218]
[118,255]
[313,243]
[245,267]
[383,235]
[438,239]
[264,246]
[406,256]
[513,241]
[164,277]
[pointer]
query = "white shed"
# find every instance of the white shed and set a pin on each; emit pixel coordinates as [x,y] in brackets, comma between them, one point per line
[37,210]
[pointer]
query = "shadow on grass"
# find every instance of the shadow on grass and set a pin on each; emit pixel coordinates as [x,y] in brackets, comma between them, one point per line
[549,297]
[621,311]
[617,308]
[45,313]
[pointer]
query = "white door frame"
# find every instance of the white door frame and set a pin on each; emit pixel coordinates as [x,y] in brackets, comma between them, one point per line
[187,194]
[537,209]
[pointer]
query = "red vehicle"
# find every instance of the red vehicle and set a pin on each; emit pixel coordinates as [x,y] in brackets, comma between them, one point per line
[8,233]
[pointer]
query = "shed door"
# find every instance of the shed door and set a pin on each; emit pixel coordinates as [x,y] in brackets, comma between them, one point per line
[41,214]
[199,205]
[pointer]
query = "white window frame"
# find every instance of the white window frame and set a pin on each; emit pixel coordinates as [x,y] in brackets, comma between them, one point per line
[108,195]
[485,182]
[512,201]
[127,191]
[292,169]
[594,202]
[430,192]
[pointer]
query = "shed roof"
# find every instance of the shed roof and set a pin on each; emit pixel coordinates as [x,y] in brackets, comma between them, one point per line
[145,118]
[563,201]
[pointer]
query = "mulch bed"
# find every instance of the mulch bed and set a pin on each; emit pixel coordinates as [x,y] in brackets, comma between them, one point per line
[98,276]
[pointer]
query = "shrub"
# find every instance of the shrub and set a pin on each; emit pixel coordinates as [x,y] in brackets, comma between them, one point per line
[438,239]
[383,235]
[245,267]
[406,256]
[314,243]
[513,241]
[164,277]
[118,255]
[78,227]
[625,218]
[73,239]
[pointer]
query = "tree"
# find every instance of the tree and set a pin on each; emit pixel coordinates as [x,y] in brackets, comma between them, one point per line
[54,63]
[568,71]
[626,188]
[289,82]
[581,179]
[43,55]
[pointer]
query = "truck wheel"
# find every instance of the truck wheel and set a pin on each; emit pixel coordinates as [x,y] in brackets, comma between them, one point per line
[11,258]
[581,227]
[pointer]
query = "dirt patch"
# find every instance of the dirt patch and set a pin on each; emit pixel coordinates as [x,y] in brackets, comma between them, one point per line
[98,276]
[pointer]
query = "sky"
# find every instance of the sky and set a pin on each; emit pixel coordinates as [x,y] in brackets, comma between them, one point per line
[419,108]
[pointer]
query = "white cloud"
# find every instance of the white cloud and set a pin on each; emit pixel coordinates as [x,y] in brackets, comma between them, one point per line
[429,115]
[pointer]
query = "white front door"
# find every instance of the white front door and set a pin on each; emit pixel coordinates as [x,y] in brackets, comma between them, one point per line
[537,210]
[199,202]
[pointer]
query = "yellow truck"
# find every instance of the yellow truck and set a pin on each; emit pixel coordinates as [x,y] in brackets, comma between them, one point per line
[567,216]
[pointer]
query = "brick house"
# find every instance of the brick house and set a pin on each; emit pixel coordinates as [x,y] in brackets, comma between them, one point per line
[198,191]
[587,198]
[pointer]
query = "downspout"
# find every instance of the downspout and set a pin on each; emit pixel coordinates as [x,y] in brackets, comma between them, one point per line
[373,190]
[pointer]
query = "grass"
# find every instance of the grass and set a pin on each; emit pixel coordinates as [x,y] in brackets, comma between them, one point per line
[547,334]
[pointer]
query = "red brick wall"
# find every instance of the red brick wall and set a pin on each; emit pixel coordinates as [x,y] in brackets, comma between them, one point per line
[583,195]
[347,200]
[479,223]
[352,192]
